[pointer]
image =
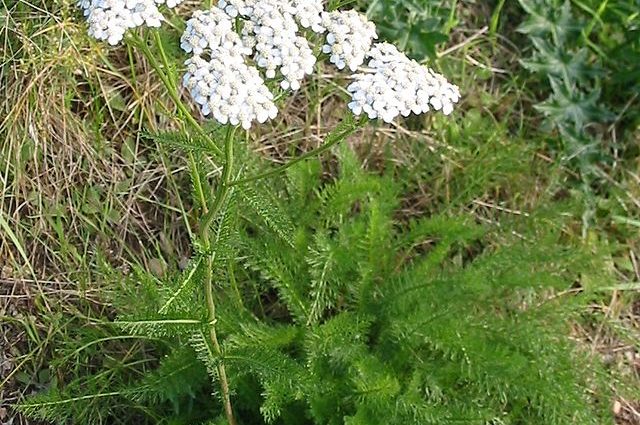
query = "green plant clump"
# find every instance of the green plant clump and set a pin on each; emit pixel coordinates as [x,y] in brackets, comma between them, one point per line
[332,309]
[588,52]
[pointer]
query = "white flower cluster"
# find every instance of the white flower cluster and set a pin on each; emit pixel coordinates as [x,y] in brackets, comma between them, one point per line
[396,85]
[223,85]
[109,19]
[212,30]
[228,89]
[349,38]
[271,30]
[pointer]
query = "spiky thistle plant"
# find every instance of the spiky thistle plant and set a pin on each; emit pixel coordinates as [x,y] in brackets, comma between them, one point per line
[588,55]
[574,101]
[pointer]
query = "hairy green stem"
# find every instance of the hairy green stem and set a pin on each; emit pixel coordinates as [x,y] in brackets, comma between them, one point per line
[225,184]
[221,195]
[163,72]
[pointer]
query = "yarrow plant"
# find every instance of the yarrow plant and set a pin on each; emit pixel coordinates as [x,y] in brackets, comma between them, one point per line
[316,298]
[235,48]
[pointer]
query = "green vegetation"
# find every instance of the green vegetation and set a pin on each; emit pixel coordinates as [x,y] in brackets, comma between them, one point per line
[481,268]
[336,315]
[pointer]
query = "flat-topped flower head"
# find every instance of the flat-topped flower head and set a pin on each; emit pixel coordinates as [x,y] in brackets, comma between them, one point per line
[229,90]
[272,33]
[109,19]
[212,29]
[349,38]
[395,85]
[233,91]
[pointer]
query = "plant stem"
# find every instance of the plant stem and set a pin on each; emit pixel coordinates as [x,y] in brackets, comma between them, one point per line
[225,184]
[169,82]
[222,373]
[221,195]
[209,214]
